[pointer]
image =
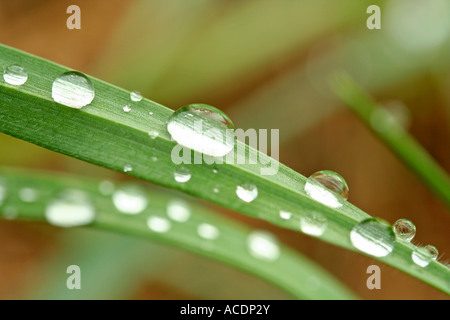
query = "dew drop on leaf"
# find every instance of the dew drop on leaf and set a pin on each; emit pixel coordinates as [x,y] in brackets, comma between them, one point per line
[15,75]
[73,89]
[327,187]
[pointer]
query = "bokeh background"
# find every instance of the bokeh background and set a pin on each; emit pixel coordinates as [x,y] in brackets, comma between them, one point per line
[266,64]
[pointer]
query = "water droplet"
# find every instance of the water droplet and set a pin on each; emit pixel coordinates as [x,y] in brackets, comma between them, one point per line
[127,168]
[404,229]
[178,210]
[136,96]
[263,245]
[247,192]
[154,159]
[130,199]
[313,224]
[15,75]
[2,191]
[182,175]
[158,224]
[328,188]
[28,194]
[70,208]
[126,108]
[150,113]
[285,215]
[73,89]
[106,187]
[208,231]
[422,256]
[374,237]
[153,134]
[202,128]
[10,213]
[215,170]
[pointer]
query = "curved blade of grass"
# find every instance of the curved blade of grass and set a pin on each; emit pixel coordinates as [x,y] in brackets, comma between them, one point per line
[290,271]
[101,133]
[394,136]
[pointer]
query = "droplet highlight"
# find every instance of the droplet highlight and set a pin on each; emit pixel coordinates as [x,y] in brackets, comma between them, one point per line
[73,89]
[404,229]
[327,187]
[15,75]
[247,192]
[70,208]
[263,246]
[374,237]
[202,128]
[130,199]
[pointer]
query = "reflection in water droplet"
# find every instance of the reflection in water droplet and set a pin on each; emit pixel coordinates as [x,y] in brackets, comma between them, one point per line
[285,215]
[208,231]
[328,188]
[136,96]
[314,224]
[15,75]
[247,192]
[404,229]
[70,208]
[73,89]
[106,187]
[433,251]
[374,237]
[178,210]
[263,246]
[158,224]
[130,199]
[28,194]
[182,175]
[202,128]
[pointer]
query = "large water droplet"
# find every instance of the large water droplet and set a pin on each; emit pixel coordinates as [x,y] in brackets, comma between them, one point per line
[182,175]
[15,75]
[422,256]
[28,194]
[71,208]
[374,237]
[404,229]
[130,199]
[314,224]
[247,192]
[208,231]
[202,128]
[158,224]
[178,210]
[327,187]
[136,96]
[73,89]
[263,245]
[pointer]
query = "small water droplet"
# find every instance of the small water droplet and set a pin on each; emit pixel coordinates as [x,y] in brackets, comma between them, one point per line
[182,175]
[10,213]
[374,237]
[126,108]
[327,187]
[247,192]
[127,168]
[314,224]
[285,215]
[153,134]
[106,187]
[2,191]
[154,159]
[208,231]
[28,194]
[70,208]
[73,89]
[130,199]
[215,170]
[216,190]
[150,113]
[15,75]
[202,128]
[404,229]
[422,256]
[136,96]
[158,224]
[178,210]
[263,246]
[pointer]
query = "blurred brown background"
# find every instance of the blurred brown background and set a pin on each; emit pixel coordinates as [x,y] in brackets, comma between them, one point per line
[265,63]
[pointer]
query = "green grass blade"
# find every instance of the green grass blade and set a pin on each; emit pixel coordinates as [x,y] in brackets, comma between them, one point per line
[394,136]
[101,133]
[290,271]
